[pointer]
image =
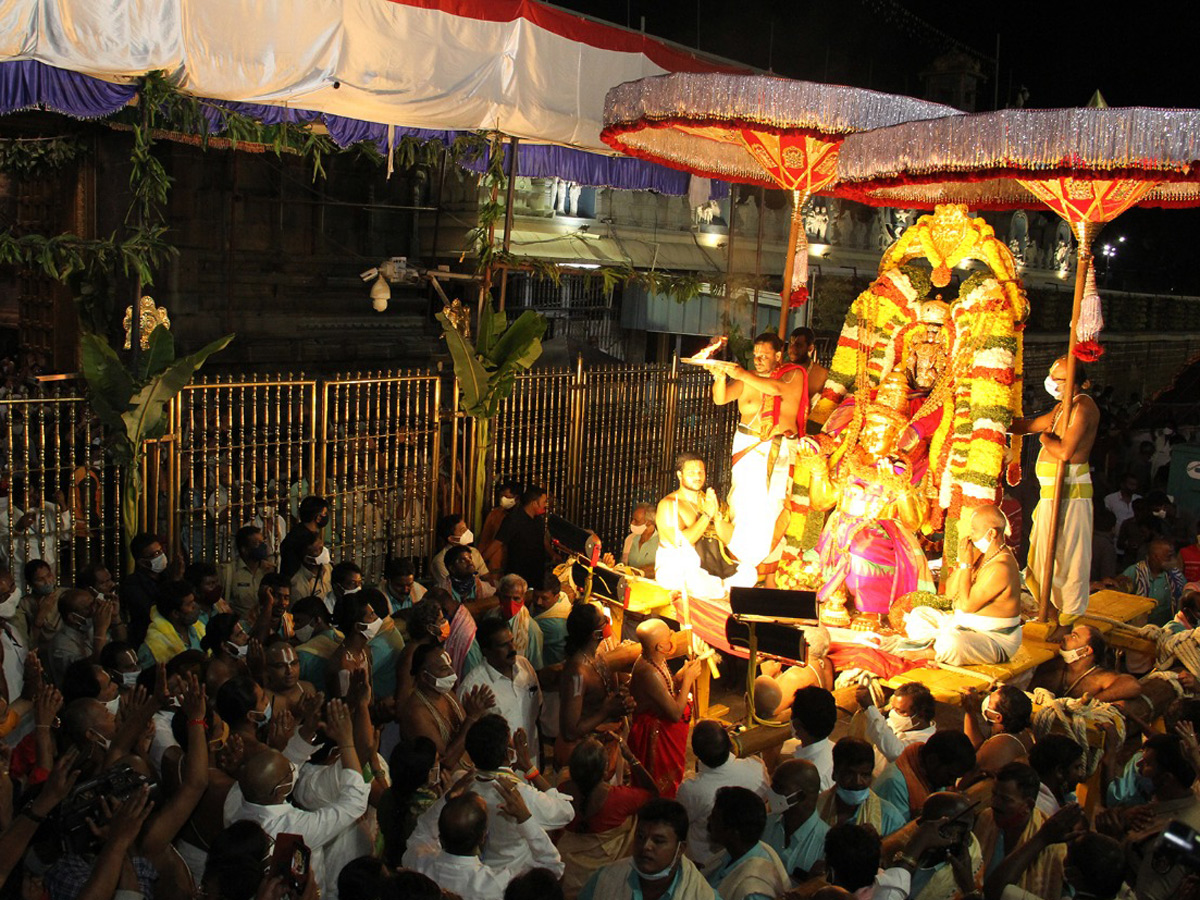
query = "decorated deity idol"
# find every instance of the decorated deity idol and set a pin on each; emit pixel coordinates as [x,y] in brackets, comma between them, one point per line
[868,467]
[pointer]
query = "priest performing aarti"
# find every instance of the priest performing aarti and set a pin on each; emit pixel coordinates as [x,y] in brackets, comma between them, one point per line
[772,405]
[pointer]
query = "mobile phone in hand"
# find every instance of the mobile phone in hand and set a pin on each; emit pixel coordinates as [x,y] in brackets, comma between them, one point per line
[290,861]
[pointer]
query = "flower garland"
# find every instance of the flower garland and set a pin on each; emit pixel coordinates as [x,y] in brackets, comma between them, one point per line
[977,399]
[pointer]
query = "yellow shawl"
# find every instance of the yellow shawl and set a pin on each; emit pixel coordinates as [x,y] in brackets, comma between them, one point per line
[1045,877]
[869,813]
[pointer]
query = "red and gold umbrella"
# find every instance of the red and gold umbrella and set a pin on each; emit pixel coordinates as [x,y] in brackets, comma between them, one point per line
[1088,165]
[753,129]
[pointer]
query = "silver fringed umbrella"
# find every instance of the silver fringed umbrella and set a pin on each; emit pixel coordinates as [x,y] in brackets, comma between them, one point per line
[1089,165]
[754,129]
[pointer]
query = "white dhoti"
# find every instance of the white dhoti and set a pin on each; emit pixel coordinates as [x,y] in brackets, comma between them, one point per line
[760,480]
[1073,554]
[679,569]
[965,639]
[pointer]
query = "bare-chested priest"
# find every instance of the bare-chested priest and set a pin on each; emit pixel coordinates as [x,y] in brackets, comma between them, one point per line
[1070,442]
[692,534]
[985,626]
[773,406]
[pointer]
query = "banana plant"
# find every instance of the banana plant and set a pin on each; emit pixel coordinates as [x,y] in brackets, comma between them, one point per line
[487,371]
[134,407]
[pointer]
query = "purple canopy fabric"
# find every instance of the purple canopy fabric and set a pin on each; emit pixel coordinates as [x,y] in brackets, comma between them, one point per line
[28,84]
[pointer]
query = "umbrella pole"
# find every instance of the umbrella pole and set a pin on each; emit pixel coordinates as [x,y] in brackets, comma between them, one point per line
[795,268]
[1085,233]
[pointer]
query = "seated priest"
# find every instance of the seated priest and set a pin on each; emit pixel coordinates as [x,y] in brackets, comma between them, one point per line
[985,626]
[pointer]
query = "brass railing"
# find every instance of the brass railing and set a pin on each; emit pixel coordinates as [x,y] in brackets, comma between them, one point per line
[388,449]
[61,499]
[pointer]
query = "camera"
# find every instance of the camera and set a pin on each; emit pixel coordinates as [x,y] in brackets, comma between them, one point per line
[1180,844]
[83,803]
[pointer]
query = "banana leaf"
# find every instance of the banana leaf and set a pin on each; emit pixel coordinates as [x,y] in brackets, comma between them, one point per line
[159,354]
[472,377]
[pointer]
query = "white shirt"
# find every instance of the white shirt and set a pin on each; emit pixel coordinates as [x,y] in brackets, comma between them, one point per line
[163,738]
[469,876]
[820,755]
[698,791]
[1118,507]
[888,744]
[14,662]
[442,577]
[518,699]
[318,827]
[1047,803]
[507,844]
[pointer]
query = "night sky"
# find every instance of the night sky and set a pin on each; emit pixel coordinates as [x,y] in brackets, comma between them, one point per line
[1135,54]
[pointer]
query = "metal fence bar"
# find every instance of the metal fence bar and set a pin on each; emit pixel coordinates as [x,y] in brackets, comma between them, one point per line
[244,454]
[59,497]
[381,440]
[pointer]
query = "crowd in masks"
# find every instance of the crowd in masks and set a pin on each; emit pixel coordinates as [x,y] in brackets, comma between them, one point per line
[258,731]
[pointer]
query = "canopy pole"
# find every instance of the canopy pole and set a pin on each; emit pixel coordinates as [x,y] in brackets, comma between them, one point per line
[762,206]
[1085,232]
[508,214]
[795,268]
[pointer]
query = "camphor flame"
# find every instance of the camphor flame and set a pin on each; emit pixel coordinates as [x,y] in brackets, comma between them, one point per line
[711,350]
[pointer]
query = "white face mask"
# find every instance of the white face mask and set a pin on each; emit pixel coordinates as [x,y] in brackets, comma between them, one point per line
[322,558]
[898,722]
[370,629]
[445,684]
[303,635]
[158,565]
[103,742]
[982,544]
[8,608]
[1159,513]
[638,529]
[1071,656]
[508,502]
[238,651]
[354,590]
[465,538]
[658,876]
[129,679]
[1052,388]
[112,706]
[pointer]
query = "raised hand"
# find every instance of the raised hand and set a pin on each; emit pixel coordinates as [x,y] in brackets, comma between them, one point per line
[62,779]
[47,701]
[477,701]
[521,746]
[308,711]
[127,820]
[104,615]
[512,803]
[462,785]
[281,729]
[1060,826]
[339,724]
[195,698]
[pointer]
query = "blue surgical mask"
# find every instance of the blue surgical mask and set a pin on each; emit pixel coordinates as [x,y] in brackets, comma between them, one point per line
[853,798]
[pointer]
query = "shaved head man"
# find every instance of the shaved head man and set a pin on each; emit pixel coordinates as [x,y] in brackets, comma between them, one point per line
[985,626]
[266,778]
[662,711]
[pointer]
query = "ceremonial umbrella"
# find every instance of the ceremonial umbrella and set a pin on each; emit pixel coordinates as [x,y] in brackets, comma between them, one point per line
[753,129]
[1089,165]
